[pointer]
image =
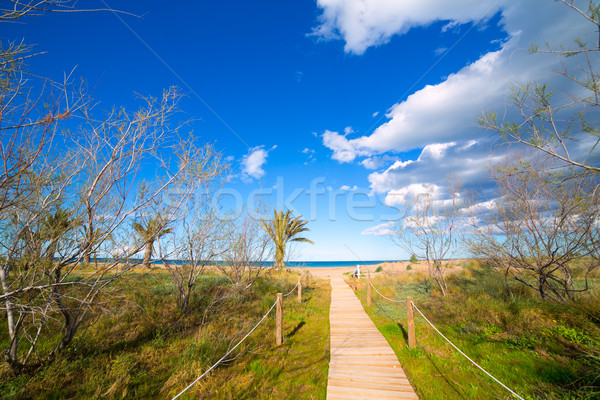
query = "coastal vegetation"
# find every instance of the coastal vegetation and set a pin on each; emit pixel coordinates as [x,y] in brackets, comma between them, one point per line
[526,307]
[71,191]
[144,346]
[541,349]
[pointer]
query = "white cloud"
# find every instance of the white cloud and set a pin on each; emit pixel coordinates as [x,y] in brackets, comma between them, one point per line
[377,162]
[376,113]
[252,163]
[470,161]
[441,119]
[412,193]
[348,188]
[311,154]
[372,163]
[343,150]
[448,111]
[366,23]
[428,221]
[466,162]
[384,229]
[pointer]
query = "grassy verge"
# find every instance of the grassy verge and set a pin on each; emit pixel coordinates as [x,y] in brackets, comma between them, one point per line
[145,348]
[542,350]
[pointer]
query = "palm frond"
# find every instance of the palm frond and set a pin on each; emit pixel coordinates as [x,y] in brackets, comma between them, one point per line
[282,229]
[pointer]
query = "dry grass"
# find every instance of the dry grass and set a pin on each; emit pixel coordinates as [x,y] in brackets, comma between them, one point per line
[145,348]
[542,350]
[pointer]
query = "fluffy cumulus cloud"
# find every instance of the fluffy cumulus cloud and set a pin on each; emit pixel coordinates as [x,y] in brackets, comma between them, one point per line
[441,119]
[442,112]
[365,23]
[378,162]
[412,193]
[252,163]
[343,149]
[469,161]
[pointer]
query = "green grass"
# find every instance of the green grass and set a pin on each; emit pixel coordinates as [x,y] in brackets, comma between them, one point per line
[542,350]
[145,348]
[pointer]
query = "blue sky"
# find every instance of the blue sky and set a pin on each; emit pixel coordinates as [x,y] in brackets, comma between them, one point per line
[365,100]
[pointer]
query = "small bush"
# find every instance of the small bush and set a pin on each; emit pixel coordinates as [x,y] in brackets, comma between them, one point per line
[414,259]
[409,267]
[379,269]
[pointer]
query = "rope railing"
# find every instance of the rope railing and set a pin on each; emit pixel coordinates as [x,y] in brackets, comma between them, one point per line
[226,354]
[279,318]
[464,355]
[292,291]
[413,305]
[387,298]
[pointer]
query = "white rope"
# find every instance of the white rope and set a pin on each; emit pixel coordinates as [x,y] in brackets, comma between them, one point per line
[226,354]
[291,291]
[387,298]
[466,356]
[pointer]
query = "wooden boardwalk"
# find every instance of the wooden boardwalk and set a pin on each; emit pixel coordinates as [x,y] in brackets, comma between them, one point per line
[362,364]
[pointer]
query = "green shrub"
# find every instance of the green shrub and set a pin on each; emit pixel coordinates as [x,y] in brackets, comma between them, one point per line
[379,269]
[409,267]
[546,350]
[414,259]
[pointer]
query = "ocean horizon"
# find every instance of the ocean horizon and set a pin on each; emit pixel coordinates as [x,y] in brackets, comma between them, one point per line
[325,264]
[289,264]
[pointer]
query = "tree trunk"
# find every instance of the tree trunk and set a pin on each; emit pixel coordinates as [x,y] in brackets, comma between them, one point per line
[439,277]
[279,254]
[89,238]
[11,355]
[148,254]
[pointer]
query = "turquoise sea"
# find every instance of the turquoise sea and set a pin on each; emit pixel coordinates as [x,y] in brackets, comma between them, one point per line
[290,264]
[320,264]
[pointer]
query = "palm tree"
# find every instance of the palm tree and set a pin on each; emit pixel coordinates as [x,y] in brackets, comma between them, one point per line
[54,226]
[149,232]
[283,229]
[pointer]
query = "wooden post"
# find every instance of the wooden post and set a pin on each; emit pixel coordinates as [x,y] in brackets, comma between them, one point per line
[300,289]
[354,282]
[279,319]
[368,288]
[412,340]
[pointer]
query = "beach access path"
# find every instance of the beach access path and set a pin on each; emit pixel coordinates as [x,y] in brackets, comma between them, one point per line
[362,363]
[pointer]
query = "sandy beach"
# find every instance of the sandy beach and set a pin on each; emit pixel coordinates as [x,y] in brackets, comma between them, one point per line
[398,267]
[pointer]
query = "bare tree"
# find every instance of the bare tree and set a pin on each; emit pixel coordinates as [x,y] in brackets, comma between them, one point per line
[544,219]
[563,126]
[538,228]
[428,228]
[70,188]
[84,178]
[12,10]
[248,249]
[198,234]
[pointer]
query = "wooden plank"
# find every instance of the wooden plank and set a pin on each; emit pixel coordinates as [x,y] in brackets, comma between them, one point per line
[379,393]
[362,364]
